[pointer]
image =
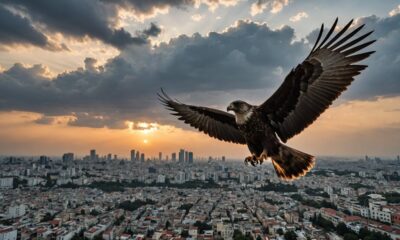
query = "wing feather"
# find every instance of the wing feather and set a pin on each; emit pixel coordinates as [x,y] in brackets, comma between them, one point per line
[312,86]
[213,122]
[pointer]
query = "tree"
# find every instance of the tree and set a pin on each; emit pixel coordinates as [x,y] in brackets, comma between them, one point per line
[202,226]
[167,225]
[47,217]
[185,234]
[342,229]
[350,236]
[290,235]
[363,233]
[98,237]
[279,231]
[238,235]
[94,212]
[119,220]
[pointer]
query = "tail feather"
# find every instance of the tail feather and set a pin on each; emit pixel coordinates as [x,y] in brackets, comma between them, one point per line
[291,164]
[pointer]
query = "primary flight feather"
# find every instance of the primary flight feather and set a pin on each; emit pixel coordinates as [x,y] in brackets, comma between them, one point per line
[307,91]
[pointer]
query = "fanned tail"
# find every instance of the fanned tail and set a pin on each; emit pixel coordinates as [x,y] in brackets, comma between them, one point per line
[291,164]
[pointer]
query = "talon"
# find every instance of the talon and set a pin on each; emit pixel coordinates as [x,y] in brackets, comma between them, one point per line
[248,159]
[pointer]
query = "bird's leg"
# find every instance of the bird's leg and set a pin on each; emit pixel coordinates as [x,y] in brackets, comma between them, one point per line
[248,159]
[251,159]
[263,156]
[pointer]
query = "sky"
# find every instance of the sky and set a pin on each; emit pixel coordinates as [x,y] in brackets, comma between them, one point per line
[77,75]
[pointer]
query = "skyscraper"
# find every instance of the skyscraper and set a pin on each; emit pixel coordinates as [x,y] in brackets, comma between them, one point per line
[109,156]
[173,157]
[68,157]
[181,155]
[142,157]
[133,156]
[223,158]
[137,156]
[44,160]
[159,156]
[93,155]
[190,157]
[186,156]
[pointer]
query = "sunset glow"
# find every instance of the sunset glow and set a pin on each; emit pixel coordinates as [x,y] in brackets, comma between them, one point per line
[66,87]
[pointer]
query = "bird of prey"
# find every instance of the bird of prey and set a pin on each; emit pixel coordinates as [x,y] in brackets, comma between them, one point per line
[306,92]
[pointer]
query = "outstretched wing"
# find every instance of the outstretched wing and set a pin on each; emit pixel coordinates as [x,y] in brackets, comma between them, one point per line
[217,124]
[312,86]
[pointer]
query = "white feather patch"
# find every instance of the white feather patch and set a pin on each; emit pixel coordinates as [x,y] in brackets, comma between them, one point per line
[241,118]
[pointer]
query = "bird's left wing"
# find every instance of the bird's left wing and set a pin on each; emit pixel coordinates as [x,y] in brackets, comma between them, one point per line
[217,124]
[313,85]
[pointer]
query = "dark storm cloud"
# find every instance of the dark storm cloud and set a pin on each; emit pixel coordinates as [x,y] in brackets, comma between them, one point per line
[15,29]
[148,6]
[153,31]
[247,57]
[79,18]
[381,78]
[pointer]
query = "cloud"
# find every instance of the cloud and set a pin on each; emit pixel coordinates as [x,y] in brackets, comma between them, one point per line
[124,88]
[96,19]
[298,16]
[150,8]
[15,29]
[395,11]
[78,19]
[381,77]
[274,6]
[94,120]
[245,59]
[153,31]
[196,17]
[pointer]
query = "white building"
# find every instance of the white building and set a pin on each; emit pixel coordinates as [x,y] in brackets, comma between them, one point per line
[8,234]
[193,232]
[180,177]
[16,211]
[347,191]
[364,212]
[161,178]
[328,189]
[226,230]
[378,211]
[34,181]
[6,183]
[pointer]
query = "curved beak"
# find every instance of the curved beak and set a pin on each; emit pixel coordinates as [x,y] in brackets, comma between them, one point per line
[230,108]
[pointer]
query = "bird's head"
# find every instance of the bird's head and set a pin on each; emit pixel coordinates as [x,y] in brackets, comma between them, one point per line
[239,107]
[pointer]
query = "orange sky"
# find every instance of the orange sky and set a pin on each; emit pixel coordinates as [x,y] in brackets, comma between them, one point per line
[91,61]
[354,128]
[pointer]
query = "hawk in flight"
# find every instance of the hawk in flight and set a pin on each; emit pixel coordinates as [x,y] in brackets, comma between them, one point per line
[306,92]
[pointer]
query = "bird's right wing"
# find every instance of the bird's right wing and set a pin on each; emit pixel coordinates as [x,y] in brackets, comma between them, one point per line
[217,124]
[313,85]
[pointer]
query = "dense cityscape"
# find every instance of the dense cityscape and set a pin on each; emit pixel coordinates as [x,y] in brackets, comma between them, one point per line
[184,197]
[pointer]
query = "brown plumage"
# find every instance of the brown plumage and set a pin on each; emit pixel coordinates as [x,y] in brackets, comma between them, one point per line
[307,91]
